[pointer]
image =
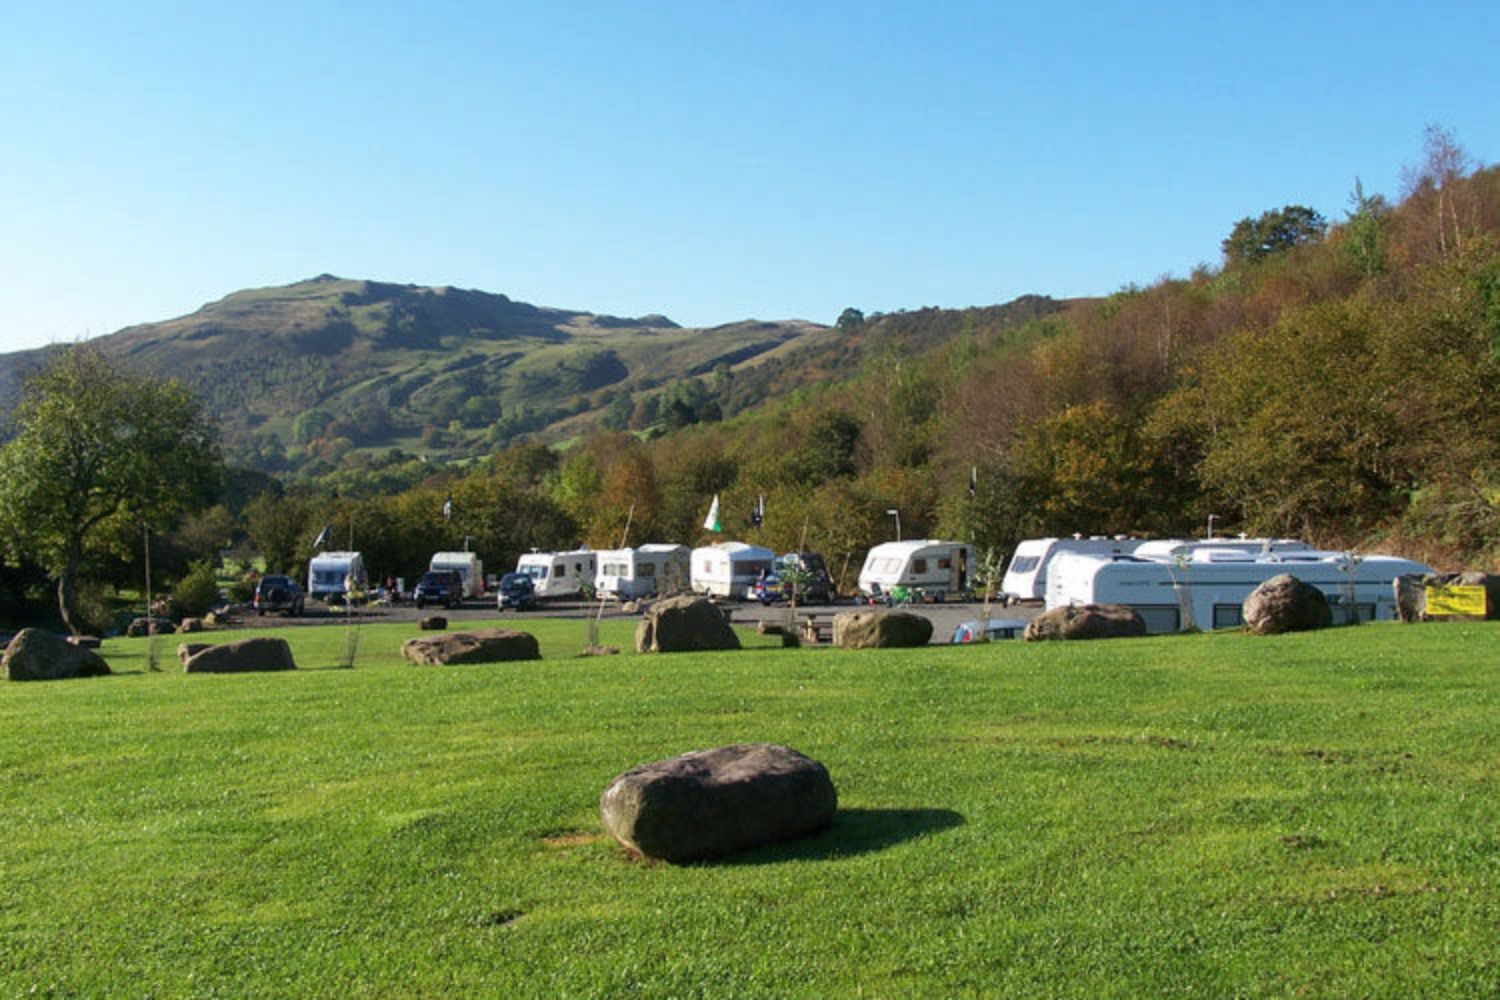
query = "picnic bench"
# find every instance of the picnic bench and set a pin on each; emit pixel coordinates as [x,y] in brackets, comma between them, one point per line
[816,628]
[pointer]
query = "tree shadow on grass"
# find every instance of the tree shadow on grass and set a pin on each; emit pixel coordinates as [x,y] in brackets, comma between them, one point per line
[853,832]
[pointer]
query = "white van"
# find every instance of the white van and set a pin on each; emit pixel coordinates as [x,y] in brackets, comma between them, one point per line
[729,569]
[466,564]
[1211,583]
[329,575]
[559,574]
[932,567]
[642,571]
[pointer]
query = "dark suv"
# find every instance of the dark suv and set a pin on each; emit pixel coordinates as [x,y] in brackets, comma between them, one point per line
[440,586]
[278,593]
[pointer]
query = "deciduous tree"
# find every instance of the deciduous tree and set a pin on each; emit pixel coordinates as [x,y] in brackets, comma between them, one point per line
[96,445]
[1272,232]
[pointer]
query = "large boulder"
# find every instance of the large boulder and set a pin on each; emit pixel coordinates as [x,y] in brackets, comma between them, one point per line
[1085,621]
[146,626]
[1411,592]
[710,803]
[880,629]
[38,655]
[1286,604]
[1411,597]
[683,624]
[489,645]
[242,656]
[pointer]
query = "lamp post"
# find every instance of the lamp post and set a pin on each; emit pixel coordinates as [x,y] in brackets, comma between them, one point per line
[897,515]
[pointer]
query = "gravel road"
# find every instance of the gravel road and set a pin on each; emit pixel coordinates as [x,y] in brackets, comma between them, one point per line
[945,617]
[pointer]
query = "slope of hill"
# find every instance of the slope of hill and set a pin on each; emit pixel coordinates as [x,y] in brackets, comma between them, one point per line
[301,376]
[371,365]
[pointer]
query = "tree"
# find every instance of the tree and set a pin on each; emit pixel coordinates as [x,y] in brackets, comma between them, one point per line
[850,318]
[1435,188]
[1363,235]
[277,526]
[1272,232]
[96,447]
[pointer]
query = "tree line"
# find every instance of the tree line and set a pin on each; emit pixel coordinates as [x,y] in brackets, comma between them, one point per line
[1335,381]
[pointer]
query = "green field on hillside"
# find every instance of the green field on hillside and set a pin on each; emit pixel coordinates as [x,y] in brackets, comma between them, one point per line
[1212,815]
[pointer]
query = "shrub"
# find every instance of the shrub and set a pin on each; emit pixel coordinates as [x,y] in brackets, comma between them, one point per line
[197,591]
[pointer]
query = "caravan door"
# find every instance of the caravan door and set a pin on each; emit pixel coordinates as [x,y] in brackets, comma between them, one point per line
[958,579]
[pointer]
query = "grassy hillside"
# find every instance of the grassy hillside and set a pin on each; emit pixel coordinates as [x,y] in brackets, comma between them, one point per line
[370,365]
[1212,815]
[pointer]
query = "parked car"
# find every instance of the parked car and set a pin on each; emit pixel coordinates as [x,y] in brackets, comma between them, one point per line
[440,586]
[278,593]
[517,591]
[817,589]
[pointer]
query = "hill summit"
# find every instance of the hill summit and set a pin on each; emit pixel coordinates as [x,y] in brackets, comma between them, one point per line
[449,371]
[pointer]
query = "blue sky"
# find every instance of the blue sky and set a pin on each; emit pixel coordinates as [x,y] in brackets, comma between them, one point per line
[712,162]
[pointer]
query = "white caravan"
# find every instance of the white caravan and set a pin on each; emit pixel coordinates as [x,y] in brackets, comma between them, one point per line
[559,574]
[729,569]
[639,572]
[1211,583]
[467,565]
[330,574]
[1183,548]
[935,568]
[1026,576]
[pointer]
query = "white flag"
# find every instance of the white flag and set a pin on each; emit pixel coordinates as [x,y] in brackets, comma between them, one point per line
[711,522]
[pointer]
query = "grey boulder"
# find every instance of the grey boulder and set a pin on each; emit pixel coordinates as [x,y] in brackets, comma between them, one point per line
[38,655]
[1285,604]
[243,656]
[880,629]
[1086,621]
[490,645]
[710,803]
[684,624]
[1411,591]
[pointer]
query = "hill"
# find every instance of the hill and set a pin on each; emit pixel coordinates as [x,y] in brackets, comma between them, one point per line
[366,364]
[300,377]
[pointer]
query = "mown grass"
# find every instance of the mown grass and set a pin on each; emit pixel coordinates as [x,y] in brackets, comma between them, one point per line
[1214,815]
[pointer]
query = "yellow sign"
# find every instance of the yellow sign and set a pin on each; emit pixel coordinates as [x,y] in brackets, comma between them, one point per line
[1444,602]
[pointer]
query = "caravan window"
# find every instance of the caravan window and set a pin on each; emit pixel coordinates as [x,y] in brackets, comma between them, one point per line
[1228,615]
[945,563]
[562,570]
[1159,617]
[646,569]
[919,566]
[1024,564]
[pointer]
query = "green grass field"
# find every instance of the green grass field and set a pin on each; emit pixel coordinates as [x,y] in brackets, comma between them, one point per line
[1216,815]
